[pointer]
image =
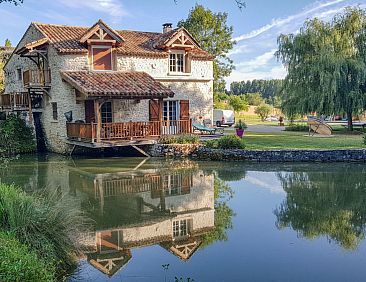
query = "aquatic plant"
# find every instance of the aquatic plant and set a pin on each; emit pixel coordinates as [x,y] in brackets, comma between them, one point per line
[47,224]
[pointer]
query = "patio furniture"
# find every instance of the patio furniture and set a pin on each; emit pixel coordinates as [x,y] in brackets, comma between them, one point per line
[318,126]
[208,130]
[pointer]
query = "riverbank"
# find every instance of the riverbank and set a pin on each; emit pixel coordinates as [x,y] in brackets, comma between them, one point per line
[201,152]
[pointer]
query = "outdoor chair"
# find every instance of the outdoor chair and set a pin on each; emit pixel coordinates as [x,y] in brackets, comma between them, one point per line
[208,130]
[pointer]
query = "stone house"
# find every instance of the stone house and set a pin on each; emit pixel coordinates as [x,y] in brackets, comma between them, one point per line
[99,87]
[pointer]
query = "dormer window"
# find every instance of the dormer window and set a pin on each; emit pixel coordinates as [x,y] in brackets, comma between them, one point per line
[102,57]
[177,62]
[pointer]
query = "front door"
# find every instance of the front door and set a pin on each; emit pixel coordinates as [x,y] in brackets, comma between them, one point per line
[170,117]
[89,111]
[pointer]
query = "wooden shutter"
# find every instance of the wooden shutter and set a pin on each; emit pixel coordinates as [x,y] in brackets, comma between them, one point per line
[154,111]
[102,58]
[187,182]
[188,61]
[184,109]
[89,111]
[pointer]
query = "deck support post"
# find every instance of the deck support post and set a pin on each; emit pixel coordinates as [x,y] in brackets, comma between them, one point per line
[98,119]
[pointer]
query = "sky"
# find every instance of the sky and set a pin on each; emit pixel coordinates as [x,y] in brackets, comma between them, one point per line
[256,27]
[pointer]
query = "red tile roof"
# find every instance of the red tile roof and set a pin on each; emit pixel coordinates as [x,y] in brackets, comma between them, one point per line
[136,43]
[127,85]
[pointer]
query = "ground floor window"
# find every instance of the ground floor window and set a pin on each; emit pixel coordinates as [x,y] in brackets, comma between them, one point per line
[180,228]
[171,110]
[54,111]
[106,112]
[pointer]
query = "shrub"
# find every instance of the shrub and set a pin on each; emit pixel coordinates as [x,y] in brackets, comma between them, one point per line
[47,224]
[230,142]
[179,139]
[16,136]
[19,263]
[297,127]
[364,139]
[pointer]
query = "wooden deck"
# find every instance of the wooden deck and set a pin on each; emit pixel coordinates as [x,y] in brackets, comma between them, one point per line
[14,101]
[118,134]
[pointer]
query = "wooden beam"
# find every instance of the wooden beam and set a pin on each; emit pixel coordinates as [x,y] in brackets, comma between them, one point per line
[98,119]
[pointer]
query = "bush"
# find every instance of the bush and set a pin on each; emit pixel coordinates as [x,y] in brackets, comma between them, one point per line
[230,142]
[19,263]
[46,224]
[179,139]
[16,136]
[364,139]
[297,127]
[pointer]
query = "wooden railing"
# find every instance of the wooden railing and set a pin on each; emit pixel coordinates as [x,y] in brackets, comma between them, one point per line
[14,101]
[37,78]
[126,130]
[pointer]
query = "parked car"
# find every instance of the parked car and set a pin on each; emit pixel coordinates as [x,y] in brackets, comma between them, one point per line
[223,117]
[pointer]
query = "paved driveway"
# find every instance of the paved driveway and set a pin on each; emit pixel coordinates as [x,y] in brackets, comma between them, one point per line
[265,128]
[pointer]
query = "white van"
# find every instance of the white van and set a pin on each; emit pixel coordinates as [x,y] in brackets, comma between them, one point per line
[223,117]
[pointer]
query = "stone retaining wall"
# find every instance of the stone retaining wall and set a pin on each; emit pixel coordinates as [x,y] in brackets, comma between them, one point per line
[172,150]
[346,155]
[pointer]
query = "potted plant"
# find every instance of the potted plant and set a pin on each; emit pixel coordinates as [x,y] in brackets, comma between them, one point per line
[240,127]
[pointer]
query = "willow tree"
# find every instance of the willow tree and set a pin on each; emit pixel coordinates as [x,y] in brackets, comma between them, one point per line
[326,63]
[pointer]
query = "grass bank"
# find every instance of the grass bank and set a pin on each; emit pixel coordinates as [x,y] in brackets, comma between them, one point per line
[44,227]
[300,140]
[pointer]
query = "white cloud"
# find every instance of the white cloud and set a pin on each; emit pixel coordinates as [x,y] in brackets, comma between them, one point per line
[282,21]
[258,61]
[113,8]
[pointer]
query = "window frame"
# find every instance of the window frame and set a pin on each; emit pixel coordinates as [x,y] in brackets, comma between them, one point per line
[104,115]
[184,67]
[181,228]
[54,111]
[92,47]
[19,74]
[168,110]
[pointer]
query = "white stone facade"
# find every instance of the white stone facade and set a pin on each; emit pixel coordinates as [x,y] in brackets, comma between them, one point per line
[197,87]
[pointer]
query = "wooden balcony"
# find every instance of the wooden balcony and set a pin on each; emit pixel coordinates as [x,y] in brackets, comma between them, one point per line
[37,78]
[125,131]
[14,101]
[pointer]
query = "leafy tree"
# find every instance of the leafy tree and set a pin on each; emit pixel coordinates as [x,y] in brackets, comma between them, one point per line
[215,36]
[15,2]
[325,203]
[7,43]
[237,103]
[263,111]
[326,65]
[254,99]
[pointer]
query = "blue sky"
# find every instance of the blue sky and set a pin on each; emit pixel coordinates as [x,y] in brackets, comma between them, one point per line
[255,28]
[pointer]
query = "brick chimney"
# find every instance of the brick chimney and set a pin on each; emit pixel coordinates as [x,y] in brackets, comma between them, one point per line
[167,27]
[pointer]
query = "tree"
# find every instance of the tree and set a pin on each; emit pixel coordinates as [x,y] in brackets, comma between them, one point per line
[327,203]
[326,65]
[15,2]
[214,36]
[7,43]
[254,99]
[237,103]
[263,111]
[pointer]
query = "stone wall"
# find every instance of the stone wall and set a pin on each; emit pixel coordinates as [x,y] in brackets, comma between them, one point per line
[349,155]
[172,150]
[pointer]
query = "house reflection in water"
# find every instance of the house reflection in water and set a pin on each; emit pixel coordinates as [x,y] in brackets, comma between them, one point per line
[172,207]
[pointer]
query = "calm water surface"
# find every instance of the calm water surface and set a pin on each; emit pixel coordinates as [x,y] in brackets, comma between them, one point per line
[160,220]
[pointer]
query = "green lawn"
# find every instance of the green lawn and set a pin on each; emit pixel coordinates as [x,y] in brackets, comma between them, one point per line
[298,140]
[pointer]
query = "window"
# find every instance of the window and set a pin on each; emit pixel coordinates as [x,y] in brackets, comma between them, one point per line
[170,111]
[180,228]
[19,74]
[106,112]
[172,184]
[54,111]
[102,57]
[177,62]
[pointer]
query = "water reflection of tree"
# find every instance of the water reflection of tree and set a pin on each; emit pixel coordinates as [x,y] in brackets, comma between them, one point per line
[331,204]
[223,213]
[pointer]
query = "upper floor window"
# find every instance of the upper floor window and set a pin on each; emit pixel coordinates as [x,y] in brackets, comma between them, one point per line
[101,57]
[180,228]
[177,62]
